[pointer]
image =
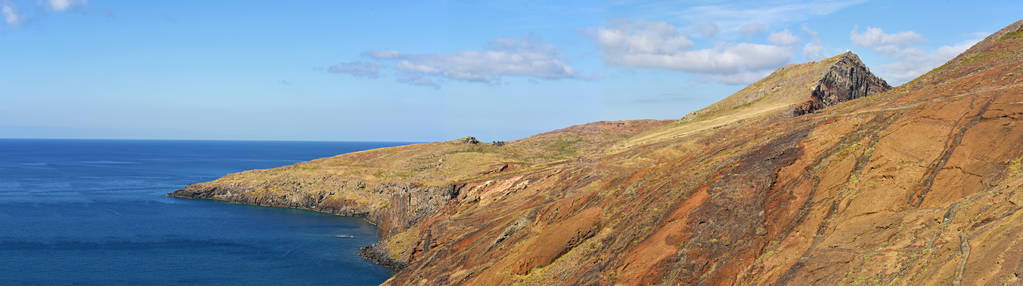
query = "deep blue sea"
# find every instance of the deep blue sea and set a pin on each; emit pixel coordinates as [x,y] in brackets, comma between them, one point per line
[93,212]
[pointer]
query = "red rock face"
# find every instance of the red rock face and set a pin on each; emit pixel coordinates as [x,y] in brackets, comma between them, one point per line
[918,185]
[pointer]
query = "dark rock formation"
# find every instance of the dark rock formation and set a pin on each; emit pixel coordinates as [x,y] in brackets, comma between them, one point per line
[377,253]
[848,79]
[409,203]
[469,140]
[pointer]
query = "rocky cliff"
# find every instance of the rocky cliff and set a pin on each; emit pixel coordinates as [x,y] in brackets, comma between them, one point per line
[847,79]
[918,185]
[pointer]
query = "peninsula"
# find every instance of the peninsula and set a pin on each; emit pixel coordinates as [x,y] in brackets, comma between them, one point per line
[819,173]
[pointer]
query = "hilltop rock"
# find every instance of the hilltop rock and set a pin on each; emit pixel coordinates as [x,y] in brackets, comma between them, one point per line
[847,79]
[797,89]
[469,140]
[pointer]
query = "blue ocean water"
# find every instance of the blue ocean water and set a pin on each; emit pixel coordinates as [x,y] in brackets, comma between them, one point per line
[93,212]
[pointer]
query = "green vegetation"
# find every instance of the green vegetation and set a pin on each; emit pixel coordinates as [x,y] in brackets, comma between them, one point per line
[1011,36]
[845,152]
[401,241]
[1016,166]
[564,147]
[985,57]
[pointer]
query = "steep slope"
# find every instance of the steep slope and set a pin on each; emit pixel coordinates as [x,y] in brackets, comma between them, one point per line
[791,90]
[918,185]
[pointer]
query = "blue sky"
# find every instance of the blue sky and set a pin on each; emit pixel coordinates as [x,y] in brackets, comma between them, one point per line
[430,70]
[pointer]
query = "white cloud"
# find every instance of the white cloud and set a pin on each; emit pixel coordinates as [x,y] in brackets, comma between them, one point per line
[508,57]
[382,54]
[666,97]
[658,45]
[877,39]
[735,58]
[61,5]
[504,58]
[814,50]
[738,56]
[707,30]
[806,29]
[357,68]
[740,78]
[746,19]
[751,30]
[417,80]
[907,61]
[11,16]
[980,35]
[912,62]
[641,37]
[783,38]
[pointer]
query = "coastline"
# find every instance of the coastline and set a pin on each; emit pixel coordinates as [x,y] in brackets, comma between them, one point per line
[374,253]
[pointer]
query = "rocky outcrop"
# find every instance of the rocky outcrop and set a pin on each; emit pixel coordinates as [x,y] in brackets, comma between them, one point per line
[847,79]
[469,140]
[409,203]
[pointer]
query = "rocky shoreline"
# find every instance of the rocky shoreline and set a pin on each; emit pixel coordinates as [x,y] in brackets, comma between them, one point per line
[405,205]
[377,254]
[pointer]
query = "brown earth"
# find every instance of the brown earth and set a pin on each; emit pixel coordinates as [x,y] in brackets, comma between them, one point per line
[918,185]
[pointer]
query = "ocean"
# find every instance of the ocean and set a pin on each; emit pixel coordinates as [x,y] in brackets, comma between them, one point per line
[93,212]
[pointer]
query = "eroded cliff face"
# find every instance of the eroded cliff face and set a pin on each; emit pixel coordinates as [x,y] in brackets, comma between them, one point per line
[847,79]
[918,185]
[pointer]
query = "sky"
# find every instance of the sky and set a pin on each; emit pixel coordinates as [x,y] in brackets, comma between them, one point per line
[419,71]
